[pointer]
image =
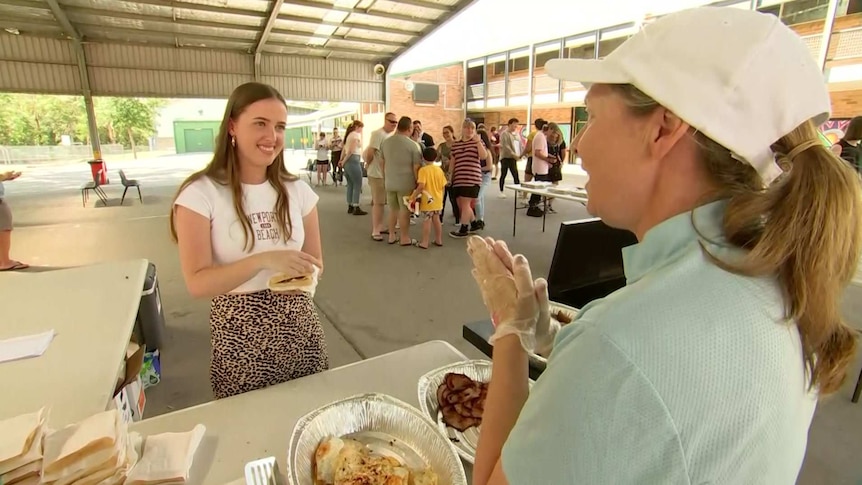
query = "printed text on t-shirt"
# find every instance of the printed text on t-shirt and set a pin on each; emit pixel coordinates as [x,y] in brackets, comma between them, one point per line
[265,226]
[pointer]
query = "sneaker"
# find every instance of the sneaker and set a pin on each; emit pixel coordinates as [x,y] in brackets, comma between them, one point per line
[456,224]
[460,234]
[551,210]
[359,212]
[502,195]
[476,226]
[351,209]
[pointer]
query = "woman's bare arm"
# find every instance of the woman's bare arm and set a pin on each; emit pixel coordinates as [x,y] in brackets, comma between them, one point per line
[483,154]
[203,278]
[312,245]
[506,396]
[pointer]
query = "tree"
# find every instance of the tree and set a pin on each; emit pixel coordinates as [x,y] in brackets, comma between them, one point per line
[27,119]
[133,120]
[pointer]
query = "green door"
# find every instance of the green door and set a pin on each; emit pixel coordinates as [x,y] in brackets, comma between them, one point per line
[198,140]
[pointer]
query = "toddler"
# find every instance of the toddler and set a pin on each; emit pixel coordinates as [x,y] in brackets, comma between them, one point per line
[429,194]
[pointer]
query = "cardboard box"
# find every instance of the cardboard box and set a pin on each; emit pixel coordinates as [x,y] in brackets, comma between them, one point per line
[129,397]
[122,404]
[137,398]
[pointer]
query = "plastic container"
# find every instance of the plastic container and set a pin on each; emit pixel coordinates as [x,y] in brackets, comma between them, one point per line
[95,167]
[151,317]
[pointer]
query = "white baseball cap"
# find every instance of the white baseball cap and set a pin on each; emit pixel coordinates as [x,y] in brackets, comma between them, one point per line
[740,77]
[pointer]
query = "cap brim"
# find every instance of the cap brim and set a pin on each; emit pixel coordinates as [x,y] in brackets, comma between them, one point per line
[586,71]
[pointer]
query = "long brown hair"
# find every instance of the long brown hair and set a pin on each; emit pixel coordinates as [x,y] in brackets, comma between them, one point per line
[224,167]
[804,229]
[353,126]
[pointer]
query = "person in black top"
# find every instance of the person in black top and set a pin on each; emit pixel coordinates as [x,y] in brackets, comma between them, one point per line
[427,140]
[850,149]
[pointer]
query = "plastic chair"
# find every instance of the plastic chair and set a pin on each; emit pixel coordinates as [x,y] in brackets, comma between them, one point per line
[129,183]
[96,187]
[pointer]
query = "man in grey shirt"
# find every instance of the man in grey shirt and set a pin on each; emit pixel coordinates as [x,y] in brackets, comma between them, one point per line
[401,159]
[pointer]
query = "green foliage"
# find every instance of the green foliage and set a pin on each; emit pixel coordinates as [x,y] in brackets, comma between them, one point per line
[28,119]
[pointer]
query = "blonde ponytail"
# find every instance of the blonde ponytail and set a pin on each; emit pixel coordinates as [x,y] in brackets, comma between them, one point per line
[803,229]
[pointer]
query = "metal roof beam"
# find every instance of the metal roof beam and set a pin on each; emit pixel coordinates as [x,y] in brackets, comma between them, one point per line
[203,8]
[345,50]
[382,15]
[24,4]
[350,25]
[74,11]
[431,5]
[61,17]
[194,7]
[169,37]
[24,23]
[270,23]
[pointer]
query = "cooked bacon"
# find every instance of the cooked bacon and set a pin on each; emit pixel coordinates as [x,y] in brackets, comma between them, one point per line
[441,392]
[462,401]
[457,382]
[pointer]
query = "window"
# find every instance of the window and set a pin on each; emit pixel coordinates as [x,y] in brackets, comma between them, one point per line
[496,80]
[795,11]
[545,88]
[476,79]
[610,39]
[579,47]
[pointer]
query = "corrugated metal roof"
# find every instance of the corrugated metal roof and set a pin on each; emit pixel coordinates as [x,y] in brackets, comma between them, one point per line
[360,30]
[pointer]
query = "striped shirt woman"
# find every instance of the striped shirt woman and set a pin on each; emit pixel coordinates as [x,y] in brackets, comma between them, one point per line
[466,168]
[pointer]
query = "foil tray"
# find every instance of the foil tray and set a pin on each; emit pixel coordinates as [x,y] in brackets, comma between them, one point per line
[385,425]
[542,361]
[464,442]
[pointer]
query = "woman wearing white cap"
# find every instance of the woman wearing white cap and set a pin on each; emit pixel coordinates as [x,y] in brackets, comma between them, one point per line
[707,366]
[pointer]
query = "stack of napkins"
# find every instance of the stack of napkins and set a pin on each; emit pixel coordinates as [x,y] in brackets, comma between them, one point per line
[96,451]
[21,448]
[167,458]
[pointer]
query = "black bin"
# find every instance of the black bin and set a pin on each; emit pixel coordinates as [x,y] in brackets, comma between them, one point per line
[151,318]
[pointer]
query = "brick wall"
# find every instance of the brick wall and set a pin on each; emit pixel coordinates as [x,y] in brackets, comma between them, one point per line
[449,109]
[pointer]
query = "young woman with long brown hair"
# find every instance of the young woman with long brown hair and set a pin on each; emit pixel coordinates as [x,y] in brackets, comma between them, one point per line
[237,222]
[706,367]
[351,160]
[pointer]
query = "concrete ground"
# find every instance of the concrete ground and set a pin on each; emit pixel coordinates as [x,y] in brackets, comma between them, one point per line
[374,298]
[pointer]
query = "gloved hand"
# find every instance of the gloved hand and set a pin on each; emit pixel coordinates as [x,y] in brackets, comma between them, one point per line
[546,325]
[507,288]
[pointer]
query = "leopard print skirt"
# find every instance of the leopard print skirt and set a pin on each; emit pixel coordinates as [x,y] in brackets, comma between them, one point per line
[263,338]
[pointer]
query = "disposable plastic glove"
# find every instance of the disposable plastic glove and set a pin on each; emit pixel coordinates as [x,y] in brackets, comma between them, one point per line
[507,288]
[546,325]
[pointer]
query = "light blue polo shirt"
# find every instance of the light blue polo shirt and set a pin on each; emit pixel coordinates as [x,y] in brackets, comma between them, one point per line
[687,375]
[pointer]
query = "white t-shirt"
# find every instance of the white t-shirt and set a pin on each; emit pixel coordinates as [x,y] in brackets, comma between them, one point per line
[214,201]
[322,150]
[357,150]
[540,146]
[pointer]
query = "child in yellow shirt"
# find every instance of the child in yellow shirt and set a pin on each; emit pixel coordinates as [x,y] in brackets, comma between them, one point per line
[430,186]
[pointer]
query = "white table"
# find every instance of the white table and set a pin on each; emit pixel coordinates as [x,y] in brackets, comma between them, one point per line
[545,194]
[93,310]
[259,424]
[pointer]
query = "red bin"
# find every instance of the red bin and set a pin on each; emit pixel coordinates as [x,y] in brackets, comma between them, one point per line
[95,167]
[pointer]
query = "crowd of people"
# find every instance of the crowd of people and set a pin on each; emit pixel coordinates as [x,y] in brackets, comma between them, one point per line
[468,161]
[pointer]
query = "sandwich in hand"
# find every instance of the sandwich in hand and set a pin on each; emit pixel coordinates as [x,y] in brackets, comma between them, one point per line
[283,283]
